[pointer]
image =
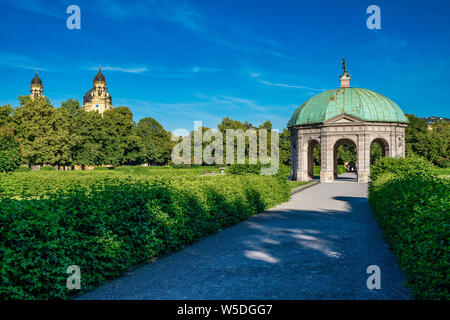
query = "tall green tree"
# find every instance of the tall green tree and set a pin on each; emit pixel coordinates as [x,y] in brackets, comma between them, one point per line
[157,141]
[32,123]
[90,150]
[123,138]
[428,141]
[285,147]
[415,135]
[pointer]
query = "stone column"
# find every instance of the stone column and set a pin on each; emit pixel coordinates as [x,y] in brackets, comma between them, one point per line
[302,159]
[363,148]
[326,158]
[392,141]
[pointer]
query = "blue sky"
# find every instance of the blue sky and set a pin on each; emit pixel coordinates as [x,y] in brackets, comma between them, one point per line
[180,61]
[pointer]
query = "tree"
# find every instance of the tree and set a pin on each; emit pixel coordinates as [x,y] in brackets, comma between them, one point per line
[32,125]
[10,153]
[430,142]
[5,115]
[124,145]
[415,135]
[156,141]
[285,147]
[87,126]
[346,153]
[316,155]
[375,152]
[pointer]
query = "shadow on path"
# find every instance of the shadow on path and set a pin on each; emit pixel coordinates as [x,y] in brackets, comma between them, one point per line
[316,246]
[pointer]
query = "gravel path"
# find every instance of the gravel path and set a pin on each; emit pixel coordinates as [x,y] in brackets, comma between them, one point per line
[316,246]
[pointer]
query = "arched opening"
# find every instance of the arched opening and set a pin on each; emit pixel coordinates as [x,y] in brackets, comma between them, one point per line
[379,148]
[345,159]
[313,158]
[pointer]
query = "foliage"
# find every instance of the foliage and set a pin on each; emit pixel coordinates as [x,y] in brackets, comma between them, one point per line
[375,152]
[5,115]
[255,169]
[401,167]
[431,143]
[32,126]
[346,153]
[115,224]
[10,153]
[412,206]
[285,147]
[68,135]
[442,171]
[242,169]
[340,170]
[157,141]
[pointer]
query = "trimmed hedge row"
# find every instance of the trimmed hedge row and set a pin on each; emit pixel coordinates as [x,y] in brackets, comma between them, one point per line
[412,206]
[40,183]
[112,227]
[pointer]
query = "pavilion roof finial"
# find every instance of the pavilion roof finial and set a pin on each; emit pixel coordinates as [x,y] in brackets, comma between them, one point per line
[344,65]
[345,77]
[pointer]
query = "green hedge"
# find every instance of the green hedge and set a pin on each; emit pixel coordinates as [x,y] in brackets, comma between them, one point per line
[402,167]
[39,183]
[114,226]
[255,169]
[412,206]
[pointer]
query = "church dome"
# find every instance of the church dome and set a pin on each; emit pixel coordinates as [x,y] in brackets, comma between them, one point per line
[364,104]
[88,96]
[36,80]
[99,76]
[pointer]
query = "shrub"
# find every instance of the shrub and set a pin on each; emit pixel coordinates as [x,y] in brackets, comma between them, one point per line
[443,163]
[116,224]
[413,209]
[241,169]
[401,167]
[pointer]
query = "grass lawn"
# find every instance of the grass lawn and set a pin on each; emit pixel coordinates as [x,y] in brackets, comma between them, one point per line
[295,184]
[442,171]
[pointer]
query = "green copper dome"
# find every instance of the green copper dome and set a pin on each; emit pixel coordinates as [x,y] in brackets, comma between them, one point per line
[361,103]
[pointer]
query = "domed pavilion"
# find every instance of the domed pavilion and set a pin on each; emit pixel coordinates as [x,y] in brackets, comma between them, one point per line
[340,116]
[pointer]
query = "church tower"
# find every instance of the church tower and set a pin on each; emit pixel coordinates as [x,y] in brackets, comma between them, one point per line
[98,98]
[36,88]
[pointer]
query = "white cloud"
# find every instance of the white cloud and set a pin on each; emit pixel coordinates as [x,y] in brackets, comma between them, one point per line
[178,12]
[37,7]
[283,85]
[19,61]
[122,69]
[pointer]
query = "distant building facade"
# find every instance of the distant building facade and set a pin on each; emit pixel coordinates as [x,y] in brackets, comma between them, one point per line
[36,88]
[98,98]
